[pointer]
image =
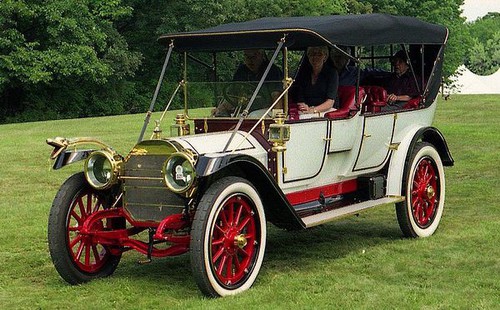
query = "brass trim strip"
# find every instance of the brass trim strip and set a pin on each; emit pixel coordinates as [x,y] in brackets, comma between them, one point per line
[124,177]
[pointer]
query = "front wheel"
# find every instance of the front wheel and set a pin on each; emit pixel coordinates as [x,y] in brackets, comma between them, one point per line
[424,187]
[228,238]
[77,258]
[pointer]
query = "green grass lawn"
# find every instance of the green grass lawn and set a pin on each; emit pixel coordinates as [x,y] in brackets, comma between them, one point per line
[357,262]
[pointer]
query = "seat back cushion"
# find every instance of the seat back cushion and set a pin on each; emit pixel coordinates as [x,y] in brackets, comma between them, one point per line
[347,101]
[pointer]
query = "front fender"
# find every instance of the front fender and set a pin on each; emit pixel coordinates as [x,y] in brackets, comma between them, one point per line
[63,156]
[278,209]
[400,156]
[67,157]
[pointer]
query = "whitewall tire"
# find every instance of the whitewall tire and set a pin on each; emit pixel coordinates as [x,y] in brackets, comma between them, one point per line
[424,188]
[228,238]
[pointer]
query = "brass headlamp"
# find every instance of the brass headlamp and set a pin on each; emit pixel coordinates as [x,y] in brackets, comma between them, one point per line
[101,169]
[179,171]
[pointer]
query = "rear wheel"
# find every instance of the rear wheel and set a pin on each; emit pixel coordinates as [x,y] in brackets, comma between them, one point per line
[228,238]
[424,188]
[77,258]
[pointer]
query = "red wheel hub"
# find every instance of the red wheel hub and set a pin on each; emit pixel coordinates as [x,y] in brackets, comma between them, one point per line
[234,240]
[425,192]
[88,255]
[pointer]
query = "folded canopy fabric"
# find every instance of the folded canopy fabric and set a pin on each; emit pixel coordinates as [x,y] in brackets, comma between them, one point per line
[301,32]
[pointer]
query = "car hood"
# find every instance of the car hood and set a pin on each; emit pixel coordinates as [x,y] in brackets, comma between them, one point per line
[212,143]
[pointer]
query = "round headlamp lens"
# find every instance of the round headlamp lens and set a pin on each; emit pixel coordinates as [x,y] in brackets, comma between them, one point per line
[99,170]
[179,173]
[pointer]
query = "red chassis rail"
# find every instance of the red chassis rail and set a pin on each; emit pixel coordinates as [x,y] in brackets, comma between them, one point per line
[119,240]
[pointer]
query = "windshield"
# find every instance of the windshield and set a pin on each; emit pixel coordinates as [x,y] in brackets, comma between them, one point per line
[229,99]
[223,84]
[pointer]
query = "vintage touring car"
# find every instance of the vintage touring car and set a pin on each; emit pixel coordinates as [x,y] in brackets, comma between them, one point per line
[211,185]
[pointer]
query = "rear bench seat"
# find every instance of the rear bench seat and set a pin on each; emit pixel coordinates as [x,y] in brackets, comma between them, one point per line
[376,98]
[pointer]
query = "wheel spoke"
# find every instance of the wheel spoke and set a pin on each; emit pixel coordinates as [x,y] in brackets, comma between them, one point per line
[220,229]
[97,205]
[222,263]
[217,241]
[425,168]
[417,207]
[89,203]
[76,217]
[87,254]
[83,213]
[229,266]
[97,256]
[238,215]
[244,222]
[231,214]
[243,252]
[217,255]
[237,264]
[75,241]
[250,236]
[429,210]
[415,192]
[223,218]
[79,251]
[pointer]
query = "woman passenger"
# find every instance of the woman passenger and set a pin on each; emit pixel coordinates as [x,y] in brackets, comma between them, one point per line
[317,83]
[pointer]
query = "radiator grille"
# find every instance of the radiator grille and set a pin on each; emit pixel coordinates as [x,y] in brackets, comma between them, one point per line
[146,198]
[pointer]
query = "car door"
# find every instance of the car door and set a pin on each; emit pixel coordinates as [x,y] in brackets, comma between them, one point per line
[376,138]
[305,153]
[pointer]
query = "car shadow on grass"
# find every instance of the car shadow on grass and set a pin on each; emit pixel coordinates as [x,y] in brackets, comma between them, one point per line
[293,249]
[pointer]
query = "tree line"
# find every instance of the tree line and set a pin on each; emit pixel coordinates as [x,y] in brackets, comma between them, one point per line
[68,58]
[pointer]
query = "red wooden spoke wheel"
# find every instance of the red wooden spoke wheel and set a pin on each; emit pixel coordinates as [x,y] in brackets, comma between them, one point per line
[76,256]
[424,192]
[87,255]
[228,237]
[233,240]
[424,188]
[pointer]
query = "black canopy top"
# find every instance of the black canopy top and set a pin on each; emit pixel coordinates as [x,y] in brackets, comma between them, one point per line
[301,32]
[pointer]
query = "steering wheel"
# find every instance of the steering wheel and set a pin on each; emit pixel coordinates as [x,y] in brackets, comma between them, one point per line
[238,93]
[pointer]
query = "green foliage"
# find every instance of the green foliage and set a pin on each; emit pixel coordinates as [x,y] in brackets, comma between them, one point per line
[50,50]
[66,58]
[483,57]
[485,27]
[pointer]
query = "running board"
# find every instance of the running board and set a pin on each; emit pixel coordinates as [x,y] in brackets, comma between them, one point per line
[321,218]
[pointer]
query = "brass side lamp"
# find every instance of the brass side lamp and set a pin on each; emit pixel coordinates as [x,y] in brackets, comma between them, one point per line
[279,133]
[180,128]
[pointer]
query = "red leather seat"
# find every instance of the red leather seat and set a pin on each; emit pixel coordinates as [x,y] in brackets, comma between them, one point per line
[376,98]
[348,104]
[412,103]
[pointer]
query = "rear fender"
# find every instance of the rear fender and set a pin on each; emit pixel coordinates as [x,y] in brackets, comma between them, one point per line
[278,209]
[400,156]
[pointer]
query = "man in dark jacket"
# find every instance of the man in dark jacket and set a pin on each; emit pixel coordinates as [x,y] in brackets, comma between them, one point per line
[401,86]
